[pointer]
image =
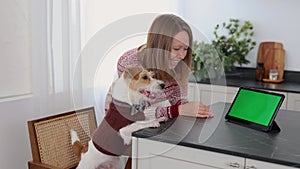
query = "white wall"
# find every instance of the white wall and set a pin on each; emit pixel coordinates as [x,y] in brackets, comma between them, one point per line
[97,14]
[273,20]
[14,143]
[17,63]
[108,30]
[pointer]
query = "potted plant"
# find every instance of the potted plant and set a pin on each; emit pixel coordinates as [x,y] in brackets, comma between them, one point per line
[206,62]
[234,45]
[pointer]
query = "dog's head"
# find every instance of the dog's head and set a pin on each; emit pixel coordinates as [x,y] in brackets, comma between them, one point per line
[142,81]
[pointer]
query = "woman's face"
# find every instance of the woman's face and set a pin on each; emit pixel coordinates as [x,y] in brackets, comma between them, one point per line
[179,48]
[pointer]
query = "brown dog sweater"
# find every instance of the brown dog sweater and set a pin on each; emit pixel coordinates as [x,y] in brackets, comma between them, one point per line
[106,137]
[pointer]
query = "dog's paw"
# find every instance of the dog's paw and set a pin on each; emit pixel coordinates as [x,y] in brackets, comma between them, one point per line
[126,135]
[162,119]
[106,165]
[154,123]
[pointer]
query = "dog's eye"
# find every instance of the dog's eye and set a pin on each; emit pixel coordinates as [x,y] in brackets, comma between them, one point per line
[145,77]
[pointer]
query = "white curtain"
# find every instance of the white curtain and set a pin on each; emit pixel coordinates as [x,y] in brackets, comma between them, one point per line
[63,50]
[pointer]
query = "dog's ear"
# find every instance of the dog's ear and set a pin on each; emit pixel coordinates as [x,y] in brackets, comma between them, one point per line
[132,72]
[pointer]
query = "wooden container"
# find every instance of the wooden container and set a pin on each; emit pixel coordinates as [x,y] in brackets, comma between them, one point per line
[272,55]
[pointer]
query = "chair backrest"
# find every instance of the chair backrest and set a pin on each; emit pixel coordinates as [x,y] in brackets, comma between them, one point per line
[50,136]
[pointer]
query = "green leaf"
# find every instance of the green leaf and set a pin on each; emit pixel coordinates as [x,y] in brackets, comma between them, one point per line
[235,42]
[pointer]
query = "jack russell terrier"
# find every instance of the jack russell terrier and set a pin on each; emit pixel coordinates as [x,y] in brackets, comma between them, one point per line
[125,115]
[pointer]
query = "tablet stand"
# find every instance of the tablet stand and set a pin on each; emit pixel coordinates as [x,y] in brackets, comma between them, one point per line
[274,127]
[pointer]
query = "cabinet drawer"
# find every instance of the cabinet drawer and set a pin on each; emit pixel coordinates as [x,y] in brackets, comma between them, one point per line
[255,164]
[293,102]
[193,93]
[157,154]
[210,94]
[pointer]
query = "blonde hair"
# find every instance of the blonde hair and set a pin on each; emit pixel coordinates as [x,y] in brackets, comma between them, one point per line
[156,52]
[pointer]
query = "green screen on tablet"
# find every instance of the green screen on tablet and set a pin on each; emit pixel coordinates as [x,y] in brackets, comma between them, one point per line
[254,106]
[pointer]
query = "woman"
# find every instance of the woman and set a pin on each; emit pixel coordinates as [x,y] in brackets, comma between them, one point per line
[168,52]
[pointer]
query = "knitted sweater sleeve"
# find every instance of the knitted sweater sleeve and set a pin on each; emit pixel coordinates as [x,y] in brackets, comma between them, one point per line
[176,97]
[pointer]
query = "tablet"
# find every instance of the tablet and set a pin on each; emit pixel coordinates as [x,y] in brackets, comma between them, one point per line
[255,108]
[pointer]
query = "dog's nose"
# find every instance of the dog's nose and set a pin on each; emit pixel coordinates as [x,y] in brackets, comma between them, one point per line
[162,85]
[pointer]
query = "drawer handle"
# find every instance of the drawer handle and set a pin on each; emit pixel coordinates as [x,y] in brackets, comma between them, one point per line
[251,167]
[234,165]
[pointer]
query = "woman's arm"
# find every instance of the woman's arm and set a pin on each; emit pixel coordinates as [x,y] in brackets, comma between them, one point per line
[177,95]
[181,106]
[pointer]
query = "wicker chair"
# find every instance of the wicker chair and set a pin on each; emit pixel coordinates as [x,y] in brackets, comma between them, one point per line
[50,138]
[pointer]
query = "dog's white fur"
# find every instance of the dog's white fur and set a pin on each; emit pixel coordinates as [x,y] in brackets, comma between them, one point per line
[127,91]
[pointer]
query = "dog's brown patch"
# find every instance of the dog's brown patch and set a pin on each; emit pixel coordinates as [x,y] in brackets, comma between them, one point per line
[132,72]
[78,148]
[137,77]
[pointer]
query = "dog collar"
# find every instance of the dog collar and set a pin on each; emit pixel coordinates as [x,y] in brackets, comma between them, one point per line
[135,108]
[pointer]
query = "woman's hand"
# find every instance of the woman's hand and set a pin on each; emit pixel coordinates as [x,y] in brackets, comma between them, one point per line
[195,109]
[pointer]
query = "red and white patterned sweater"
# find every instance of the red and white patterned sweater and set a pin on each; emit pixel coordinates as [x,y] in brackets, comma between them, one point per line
[174,93]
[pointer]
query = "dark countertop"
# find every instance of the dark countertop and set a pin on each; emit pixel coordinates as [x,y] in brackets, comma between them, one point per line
[216,134]
[283,87]
[246,77]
